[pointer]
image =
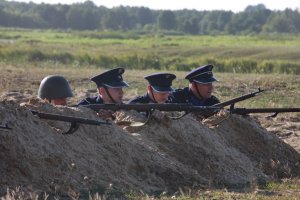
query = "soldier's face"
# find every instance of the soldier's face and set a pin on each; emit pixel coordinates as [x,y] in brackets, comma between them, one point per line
[115,93]
[205,90]
[59,102]
[158,97]
[161,97]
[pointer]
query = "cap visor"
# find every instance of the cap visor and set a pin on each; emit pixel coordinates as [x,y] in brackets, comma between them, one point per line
[162,89]
[205,80]
[121,84]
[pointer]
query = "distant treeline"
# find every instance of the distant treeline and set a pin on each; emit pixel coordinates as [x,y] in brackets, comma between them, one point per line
[88,16]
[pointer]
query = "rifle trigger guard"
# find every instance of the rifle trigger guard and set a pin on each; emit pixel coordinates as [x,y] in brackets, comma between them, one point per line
[74,126]
[179,117]
[274,115]
[5,126]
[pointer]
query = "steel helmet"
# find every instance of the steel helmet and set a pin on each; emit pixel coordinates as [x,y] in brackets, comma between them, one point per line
[54,87]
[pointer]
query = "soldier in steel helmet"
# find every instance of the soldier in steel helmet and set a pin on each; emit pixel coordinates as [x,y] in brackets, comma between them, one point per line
[199,92]
[55,89]
[110,86]
[158,91]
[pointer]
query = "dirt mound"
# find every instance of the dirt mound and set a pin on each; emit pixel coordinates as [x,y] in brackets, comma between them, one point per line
[286,127]
[164,155]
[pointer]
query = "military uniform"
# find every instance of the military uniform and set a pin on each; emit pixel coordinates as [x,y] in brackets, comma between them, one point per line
[160,82]
[108,79]
[201,75]
[141,99]
[185,95]
[91,100]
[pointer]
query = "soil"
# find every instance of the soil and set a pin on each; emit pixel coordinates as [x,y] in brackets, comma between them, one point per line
[164,155]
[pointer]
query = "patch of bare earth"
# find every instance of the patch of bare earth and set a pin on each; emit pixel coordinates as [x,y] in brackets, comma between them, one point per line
[286,126]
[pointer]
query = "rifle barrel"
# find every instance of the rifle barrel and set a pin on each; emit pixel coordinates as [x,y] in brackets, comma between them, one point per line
[205,110]
[238,99]
[244,111]
[148,107]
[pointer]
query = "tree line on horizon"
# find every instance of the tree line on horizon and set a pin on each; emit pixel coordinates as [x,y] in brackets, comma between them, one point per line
[87,16]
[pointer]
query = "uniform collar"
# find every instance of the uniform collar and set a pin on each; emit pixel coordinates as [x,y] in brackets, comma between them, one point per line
[194,99]
[147,97]
[99,100]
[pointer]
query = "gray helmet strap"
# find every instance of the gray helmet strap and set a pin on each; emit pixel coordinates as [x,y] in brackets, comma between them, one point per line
[151,90]
[198,92]
[107,92]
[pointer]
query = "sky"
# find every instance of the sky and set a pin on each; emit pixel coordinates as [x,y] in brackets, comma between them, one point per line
[233,5]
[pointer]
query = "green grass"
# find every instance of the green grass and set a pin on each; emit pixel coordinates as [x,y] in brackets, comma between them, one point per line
[191,46]
[130,48]
[286,189]
[90,37]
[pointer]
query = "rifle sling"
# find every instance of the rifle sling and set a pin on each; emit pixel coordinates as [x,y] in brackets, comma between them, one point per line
[108,94]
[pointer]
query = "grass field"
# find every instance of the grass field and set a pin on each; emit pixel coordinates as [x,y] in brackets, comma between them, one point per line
[259,53]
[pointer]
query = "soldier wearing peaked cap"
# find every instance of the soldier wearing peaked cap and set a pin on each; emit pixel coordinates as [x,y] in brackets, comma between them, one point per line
[199,92]
[110,86]
[158,91]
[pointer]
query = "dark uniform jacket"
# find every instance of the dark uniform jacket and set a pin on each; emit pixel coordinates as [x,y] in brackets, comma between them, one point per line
[185,95]
[91,100]
[141,99]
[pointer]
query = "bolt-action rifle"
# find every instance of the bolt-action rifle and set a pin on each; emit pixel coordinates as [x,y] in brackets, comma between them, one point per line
[231,102]
[201,110]
[204,111]
[141,107]
[170,106]
[246,111]
[75,121]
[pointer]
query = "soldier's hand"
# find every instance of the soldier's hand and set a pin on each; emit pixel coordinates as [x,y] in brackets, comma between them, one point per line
[106,114]
[158,114]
